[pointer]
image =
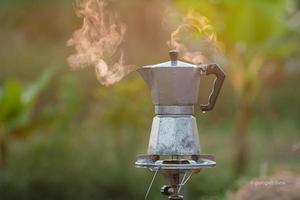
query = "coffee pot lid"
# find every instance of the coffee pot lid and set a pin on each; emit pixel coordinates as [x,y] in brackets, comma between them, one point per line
[174,62]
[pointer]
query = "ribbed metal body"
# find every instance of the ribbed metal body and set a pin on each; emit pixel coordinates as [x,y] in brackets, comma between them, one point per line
[174,131]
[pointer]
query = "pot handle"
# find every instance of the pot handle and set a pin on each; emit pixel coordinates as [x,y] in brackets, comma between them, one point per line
[220,77]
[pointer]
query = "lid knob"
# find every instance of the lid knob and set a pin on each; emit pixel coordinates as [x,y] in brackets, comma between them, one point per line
[173,55]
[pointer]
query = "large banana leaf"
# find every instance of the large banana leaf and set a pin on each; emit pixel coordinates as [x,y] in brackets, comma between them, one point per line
[16,105]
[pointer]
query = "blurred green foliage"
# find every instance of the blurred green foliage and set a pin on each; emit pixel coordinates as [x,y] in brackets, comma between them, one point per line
[16,109]
[255,35]
[87,136]
[16,104]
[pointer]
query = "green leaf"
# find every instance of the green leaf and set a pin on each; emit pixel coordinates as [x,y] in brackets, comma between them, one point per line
[10,101]
[16,106]
[29,96]
[30,93]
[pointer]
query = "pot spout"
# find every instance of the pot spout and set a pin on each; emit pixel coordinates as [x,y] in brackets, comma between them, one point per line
[147,75]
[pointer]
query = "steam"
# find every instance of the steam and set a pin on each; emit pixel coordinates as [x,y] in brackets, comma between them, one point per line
[97,42]
[199,26]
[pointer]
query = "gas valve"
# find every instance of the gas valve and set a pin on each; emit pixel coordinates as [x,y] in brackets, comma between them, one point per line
[166,190]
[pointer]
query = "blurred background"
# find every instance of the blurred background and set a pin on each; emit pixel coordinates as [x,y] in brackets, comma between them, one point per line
[64,136]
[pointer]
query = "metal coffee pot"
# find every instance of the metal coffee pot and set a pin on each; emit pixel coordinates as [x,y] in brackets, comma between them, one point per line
[174,87]
[174,147]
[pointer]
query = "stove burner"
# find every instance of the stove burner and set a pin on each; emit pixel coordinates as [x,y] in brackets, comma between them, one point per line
[154,162]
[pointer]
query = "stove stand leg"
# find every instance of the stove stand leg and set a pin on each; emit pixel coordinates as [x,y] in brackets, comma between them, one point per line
[172,190]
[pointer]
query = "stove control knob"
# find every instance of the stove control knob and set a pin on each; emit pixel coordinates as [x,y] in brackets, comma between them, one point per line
[166,190]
